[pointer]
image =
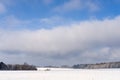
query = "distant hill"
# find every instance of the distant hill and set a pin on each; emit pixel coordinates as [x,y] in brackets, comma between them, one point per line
[97,65]
[24,66]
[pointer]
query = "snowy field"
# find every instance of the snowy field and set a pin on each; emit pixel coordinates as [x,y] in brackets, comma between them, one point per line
[62,74]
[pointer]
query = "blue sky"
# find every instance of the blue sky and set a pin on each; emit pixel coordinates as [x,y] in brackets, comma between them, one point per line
[58,32]
[57,12]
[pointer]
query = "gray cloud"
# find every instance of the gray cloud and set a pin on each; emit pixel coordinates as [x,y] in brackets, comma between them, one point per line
[82,42]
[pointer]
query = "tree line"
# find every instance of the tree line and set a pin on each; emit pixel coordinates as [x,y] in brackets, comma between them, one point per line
[24,66]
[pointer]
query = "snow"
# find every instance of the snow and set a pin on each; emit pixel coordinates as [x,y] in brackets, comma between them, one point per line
[62,74]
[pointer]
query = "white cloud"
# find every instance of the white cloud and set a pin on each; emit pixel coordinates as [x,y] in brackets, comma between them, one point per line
[11,22]
[92,6]
[81,36]
[2,8]
[54,21]
[68,6]
[71,5]
[47,1]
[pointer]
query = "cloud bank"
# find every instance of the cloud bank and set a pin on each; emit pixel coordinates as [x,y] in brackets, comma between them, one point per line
[86,41]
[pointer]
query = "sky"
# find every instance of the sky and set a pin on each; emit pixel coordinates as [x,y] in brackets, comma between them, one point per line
[59,32]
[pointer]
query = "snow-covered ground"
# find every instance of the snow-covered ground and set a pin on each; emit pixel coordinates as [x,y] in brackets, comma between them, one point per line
[62,74]
[54,69]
